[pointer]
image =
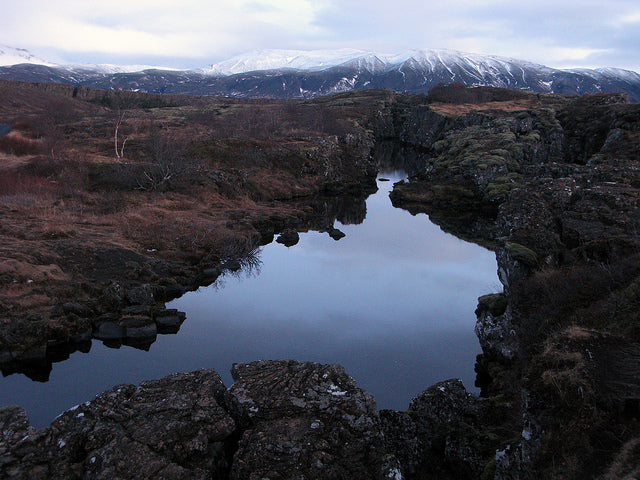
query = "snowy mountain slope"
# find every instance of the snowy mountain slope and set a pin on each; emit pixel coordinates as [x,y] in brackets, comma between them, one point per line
[428,60]
[307,74]
[15,56]
[261,60]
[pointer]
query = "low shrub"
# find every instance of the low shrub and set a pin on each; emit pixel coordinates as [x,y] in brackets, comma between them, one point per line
[14,183]
[19,146]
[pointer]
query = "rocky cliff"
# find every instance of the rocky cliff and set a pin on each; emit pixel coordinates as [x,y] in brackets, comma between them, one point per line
[552,184]
[279,420]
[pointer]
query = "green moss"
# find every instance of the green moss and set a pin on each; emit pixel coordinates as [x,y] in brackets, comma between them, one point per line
[494,160]
[496,303]
[489,471]
[531,137]
[506,137]
[500,152]
[522,254]
[441,145]
[497,192]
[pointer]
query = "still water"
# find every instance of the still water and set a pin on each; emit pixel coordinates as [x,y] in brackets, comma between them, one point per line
[393,302]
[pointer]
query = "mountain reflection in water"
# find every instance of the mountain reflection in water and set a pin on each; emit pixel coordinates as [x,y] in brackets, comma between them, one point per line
[393,302]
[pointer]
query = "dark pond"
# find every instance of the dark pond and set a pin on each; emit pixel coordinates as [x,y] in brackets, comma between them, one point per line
[393,302]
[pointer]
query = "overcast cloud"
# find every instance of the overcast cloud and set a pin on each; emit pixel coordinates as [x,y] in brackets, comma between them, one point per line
[195,33]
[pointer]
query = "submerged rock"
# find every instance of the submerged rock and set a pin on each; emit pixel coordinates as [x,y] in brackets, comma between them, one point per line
[335,233]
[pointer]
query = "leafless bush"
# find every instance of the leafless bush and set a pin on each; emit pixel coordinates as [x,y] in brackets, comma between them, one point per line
[168,162]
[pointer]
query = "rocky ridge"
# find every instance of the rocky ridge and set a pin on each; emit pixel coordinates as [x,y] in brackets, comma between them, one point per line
[556,180]
[299,74]
[279,420]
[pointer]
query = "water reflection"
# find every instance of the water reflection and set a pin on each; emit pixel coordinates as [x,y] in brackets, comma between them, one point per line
[392,301]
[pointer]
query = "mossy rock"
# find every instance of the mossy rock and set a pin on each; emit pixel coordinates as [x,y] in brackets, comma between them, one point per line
[522,254]
[495,303]
[531,137]
[489,471]
[498,191]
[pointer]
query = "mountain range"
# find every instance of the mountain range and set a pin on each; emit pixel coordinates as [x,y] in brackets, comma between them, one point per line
[307,74]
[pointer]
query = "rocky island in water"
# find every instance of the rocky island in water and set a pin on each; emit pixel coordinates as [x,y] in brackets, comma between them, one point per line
[114,203]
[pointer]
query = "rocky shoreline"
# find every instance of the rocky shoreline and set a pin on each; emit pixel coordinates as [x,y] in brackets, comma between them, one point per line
[551,183]
[554,187]
[280,419]
[110,250]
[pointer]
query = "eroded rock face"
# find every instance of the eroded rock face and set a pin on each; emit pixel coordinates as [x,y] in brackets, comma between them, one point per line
[169,428]
[441,435]
[280,420]
[559,178]
[497,334]
[306,421]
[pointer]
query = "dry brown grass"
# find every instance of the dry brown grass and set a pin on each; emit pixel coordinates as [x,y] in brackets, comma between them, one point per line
[65,202]
[455,110]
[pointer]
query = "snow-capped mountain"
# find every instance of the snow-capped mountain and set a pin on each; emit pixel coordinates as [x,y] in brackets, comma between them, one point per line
[299,60]
[363,61]
[10,56]
[15,56]
[307,74]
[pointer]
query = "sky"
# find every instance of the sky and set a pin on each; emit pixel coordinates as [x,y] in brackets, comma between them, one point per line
[197,33]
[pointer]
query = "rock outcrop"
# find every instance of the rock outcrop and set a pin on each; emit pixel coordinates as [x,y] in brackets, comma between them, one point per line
[170,428]
[280,420]
[557,181]
[307,421]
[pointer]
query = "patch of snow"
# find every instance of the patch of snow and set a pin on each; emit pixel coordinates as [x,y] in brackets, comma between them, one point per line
[547,85]
[258,60]
[61,443]
[16,56]
[335,391]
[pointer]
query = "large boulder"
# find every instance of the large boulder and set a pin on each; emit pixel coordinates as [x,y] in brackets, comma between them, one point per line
[289,237]
[307,420]
[173,428]
[442,434]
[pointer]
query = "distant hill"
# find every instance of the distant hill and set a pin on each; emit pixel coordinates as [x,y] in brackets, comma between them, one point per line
[299,74]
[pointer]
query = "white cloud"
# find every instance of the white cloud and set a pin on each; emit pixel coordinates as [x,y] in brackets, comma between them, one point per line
[158,27]
[568,33]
